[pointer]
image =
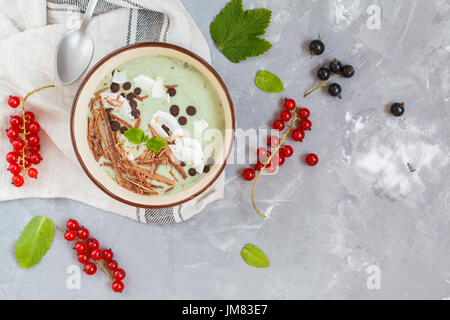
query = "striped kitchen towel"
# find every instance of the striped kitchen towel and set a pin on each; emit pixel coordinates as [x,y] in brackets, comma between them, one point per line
[29,33]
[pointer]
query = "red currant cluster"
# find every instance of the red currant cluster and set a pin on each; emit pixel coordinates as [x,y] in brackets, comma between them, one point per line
[269,162]
[89,248]
[24,137]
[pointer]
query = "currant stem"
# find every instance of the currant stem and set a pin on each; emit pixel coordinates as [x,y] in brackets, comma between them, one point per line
[320,85]
[98,263]
[292,124]
[22,105]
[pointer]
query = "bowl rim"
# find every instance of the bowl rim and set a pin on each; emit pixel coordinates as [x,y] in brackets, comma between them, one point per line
[167,46]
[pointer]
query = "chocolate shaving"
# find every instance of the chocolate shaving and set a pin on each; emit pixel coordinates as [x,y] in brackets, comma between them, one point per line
[138,123]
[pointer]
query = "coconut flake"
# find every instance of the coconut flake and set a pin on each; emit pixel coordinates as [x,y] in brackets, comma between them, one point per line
[144,82]
[119,77]
[161,118]
[117,102]
[189,151]
[158,90]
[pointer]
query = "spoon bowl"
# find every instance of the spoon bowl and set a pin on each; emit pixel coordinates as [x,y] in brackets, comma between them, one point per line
[75,50]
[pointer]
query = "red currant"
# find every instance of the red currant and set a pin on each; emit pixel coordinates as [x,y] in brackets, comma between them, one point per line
[33,139]
[13,133]
[72,224]
[113,265]
[92,243]
[287,151]
[34,127]
[303,113]
[13,102]
[96,254]
[305,124]
[25,161]
[298,134]
[262,153]
[33,173]
[83,258]
[80,247]
[119,274]
[90,268]
[312,159]
[29,116]
[281,159]
[118,286]
[278,125]
[35,148]
[285,115]
[289,104]
[16,122]
[107,254]
[273,141]
[17,180]
[35,158]
[12,157]
[18,144]
[83,233]
[248,174]
[258,166]
[271,168]
[14,168]
[70,235]
[275,160]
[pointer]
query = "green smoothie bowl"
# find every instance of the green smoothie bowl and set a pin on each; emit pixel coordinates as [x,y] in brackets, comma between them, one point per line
[152,125]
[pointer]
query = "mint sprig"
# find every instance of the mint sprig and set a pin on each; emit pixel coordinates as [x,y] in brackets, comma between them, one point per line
[156,144]
[136,135]
[268,82]
[254,256]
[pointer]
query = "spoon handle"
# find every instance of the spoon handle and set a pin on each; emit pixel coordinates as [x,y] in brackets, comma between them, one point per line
[88,14]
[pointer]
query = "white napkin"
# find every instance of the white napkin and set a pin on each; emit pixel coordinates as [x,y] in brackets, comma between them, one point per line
[29,33]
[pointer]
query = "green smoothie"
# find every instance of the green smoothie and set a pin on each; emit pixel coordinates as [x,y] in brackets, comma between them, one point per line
[167,98]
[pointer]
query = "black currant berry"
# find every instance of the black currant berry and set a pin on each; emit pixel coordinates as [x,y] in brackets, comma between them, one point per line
[348,71]
[316,47]
[397,109]
[335,90]
[323,73]
[335,66]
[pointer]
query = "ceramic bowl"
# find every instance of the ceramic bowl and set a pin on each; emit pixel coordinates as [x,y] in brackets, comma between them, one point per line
[80,111]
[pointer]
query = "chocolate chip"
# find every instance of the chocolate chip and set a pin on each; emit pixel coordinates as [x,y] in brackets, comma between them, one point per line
[136,113]
[174,110]
[137,91]
[172,91]
[114,87]
[123,129]
[123,94]
[130,96]
[126,86]
[192,172]
[183,164]
[191,110]
[115,126]
[182,120]
[133,104]
[166,129]
[206,169]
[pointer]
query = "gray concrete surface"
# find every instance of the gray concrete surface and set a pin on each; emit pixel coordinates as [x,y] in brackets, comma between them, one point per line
[378,199]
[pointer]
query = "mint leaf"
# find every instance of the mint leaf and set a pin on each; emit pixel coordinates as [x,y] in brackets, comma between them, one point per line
[268,82]
[136,135]
[237,32]
[156,144]
[34,241]
[254,256]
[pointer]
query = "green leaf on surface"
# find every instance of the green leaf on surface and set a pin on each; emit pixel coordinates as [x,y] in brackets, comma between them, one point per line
[136,135]
[34,241]
[254,256]
[268,82]
[236,32]
[156,144]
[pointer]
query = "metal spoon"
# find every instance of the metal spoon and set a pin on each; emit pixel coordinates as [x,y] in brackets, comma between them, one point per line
[75,49]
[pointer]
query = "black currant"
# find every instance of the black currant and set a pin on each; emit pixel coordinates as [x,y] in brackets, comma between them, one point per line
[335,66]
[397,109]
[335,90]
[317,47]
[348,71]
[323,73]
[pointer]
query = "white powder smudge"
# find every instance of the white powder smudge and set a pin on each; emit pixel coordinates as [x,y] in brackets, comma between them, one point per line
[358,124]
[343,12]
